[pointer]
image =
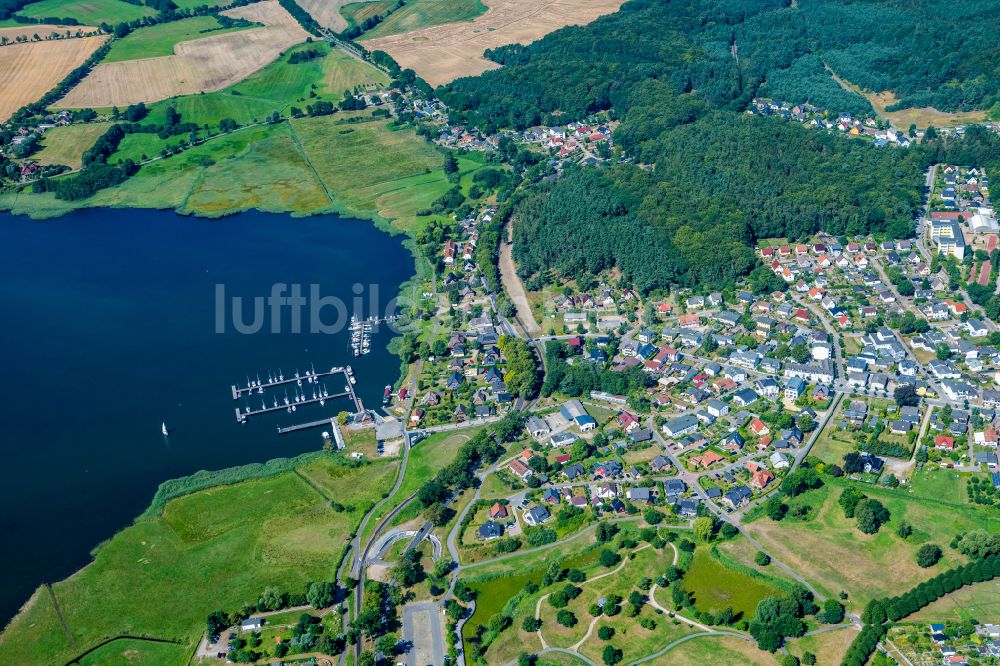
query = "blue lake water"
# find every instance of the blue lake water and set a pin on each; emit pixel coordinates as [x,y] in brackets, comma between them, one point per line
[111,326]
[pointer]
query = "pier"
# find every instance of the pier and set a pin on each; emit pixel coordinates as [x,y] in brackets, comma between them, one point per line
[259,386]
[271,402]
[306,426]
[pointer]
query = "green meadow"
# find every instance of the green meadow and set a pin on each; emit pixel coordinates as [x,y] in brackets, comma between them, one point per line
[818,548]
[715,586]
[159,40]
[216,548]
[87,12]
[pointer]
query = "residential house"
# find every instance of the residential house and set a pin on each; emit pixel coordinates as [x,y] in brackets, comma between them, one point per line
[490,530]
[536,515]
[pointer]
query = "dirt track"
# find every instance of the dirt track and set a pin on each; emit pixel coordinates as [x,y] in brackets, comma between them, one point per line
[515,289]
[445,52]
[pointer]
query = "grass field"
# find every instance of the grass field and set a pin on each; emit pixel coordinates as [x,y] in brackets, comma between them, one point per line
[66,145]
[356,13]
[131,652]
[717,651]
[159,40]
[28,71]
[419,14]
[980,602]
[833,443]
[217,548]
[829,646]
[715,587]
[87,12]
[940,484]
[739,552]
[818,549]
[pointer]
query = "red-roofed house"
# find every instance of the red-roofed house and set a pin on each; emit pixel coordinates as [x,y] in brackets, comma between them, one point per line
[761,478]
[709,459]
[498,510]
[628,421]
[944,442]
[759,428]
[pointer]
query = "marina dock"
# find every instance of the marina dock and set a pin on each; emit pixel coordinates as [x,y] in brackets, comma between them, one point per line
[258,386]
[270,401]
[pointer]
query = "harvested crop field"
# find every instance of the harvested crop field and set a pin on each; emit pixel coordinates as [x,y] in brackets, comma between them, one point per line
[28,71]
[445,52]
[200,65]
[327,12]
[45,30]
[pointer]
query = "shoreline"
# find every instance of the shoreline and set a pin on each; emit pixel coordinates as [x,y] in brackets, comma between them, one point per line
[154,506]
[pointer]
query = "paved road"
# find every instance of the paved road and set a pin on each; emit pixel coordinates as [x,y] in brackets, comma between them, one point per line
[422,629]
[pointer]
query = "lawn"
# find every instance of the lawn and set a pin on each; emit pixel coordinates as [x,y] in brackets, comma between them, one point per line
[87,12]
[66,145]
[833,443]
[945,485]
[217,548]
[817,549]
[715,586]
[829,646]
[717,651]
[980,602]
[738,552]
[132,652]
[419,14]
[159,40]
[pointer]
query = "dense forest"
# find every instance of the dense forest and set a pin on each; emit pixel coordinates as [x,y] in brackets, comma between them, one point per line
[928,52]
[720,182]
[706,180]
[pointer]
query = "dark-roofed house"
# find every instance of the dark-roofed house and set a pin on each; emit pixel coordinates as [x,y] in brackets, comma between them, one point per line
[490,530]
[573,471]
[674,487]
[536,515]
[736,497]
[659,462]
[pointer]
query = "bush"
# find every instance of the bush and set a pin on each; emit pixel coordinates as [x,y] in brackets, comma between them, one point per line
[928,555]
[531,624]
[762,558]
[605,632]
[566,618]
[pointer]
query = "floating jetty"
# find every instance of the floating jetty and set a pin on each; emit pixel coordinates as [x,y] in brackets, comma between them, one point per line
[302,393]
[361,332]
[258,386]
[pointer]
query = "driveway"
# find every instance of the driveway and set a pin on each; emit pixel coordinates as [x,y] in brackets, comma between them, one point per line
[422,630]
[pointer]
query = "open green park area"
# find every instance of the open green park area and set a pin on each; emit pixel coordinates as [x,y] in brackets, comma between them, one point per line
[213,549]
[715,586]
[829,551]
